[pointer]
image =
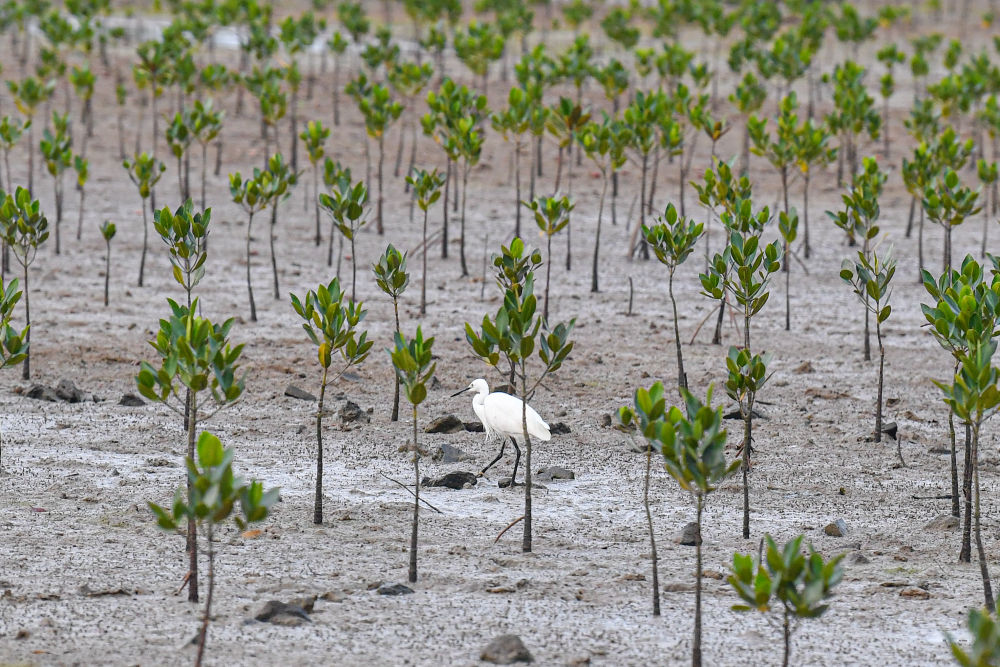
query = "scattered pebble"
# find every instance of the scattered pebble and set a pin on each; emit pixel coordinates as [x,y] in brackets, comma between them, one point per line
[457,480]
[688,536]
[394,589]
[836,529]
[445,424]
[297,392]
[506,650]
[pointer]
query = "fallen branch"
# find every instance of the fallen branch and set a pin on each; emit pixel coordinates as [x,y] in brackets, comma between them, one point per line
[509,526]
[411,492]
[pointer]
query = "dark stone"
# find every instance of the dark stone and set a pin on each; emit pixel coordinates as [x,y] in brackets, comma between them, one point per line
[131,401]
[453,480]
[299,393]
[506,650]
[450,454]
[474,427]
[68,392]
[352,412]
[41,392]
[445,424]
[836,529]
[549,473]
[890,429]
[394,589]
[689,536]
[942,522]
[279,613]
[559,428]
[606,421]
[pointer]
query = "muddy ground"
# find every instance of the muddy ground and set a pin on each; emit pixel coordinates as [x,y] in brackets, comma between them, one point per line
[76,477]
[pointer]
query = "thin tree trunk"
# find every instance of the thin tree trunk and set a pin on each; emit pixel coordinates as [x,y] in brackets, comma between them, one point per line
[947,248]
[381,160]
[57,185]
[597,236]
[192,534]
[416,502]
[548,279]
[444,228]
[354,271]
[652,536]
[294,123]
[218,157]
[681,375]
[461,242]
[26,367]
[745,467]
[786,634]
[526,541]
[696,645]
[911,218]
[788,290]
[319,236]
[881,367]
[399,151]
[318,501]
[965,555]
[336,91]
[145,242]
[253,307]
[395,398]
[274,261]
[920,244]
[423,277]
[107,274]
[517,192]
[955,507]
[983,565]
[203,639]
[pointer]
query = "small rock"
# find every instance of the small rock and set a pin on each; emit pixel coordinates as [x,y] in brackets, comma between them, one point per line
[677,587]
[334,596]
[474,427]
[131,401]
[445,424]
[394,589]
[449,454]
[299,393]
[454,480]
[279,613]
[857,558]
[914,593]
[559,428]
[307,603]
[606,420]
[68,392]
[549,473]
[352,412]
[942,522]
[689,536]
[506,650]
[890,429]
[804,367]
[41,392]
[836,529]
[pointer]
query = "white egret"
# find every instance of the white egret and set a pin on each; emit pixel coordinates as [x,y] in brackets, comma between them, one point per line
[500,414]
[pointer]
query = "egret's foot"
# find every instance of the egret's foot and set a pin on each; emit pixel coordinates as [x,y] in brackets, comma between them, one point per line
[506,483]
[480,473]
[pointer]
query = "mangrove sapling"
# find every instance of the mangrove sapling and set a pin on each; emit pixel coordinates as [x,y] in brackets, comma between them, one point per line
[871,278]
[154,70]
[854,115]
[331,322]
[28,95]
[278,187]
[297,36]
[477,46]
[748,97]
[347,208]
[13,343]
[861,212]
[468,136]
[392,278]
[693,444]
[56,151]
[605,144]
[205,124]
[179,138]
[784,576]
[144,170]
[811,150]
[551,216]
[514,334]
[426,190]
[414,369]
[11,131]
[24,229]
[337,45]
[917,175]
[985,649]
[687,111]
[380,111]
[214,493]
[107,232]
[195,355]
[650,405]
[948,203]
[186,235]
[82,168]
[641,117]
[513,123]
[975,397]
[788,225]
[314,137]
[673,239]
[83,81]
[409,80]
[252,195]
[780,150]
[890,56]
[988,177]
[565,121]
[121,97]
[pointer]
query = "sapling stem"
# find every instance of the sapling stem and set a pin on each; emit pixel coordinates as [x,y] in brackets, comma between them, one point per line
[652,535]
[412,575]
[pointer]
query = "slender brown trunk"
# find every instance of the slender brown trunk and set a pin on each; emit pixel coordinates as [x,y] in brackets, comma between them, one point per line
[203,639]
[983,565]
[107,274]
[947,247]
[145,242]
[526,541]
[517,191]
[652,536]
[192,534]
[911,217]
[805,216]
[381,160]
[395,397]
[26,366]
[681,375]
[955,508]
[319,236]
[274,261]
[597,236]
[354,271]
[416,502]
[965,555]
[253,306]
[423,277]
[79,216]
[881,366]
[786,633]
[745,467]
[696,645]
[548,274]
[318,502]
[444,228]
[461,242]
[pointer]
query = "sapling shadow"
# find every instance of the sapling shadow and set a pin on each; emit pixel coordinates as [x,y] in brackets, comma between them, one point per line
[515,335]
[213,494]
[426,190]
[194,355]
[414,367]
[797,585]
[331,322]
[145,171]
[24,229]
[108,230]
[871,280]
[392,278]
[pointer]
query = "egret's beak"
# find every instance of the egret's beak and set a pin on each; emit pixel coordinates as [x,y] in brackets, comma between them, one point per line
[461,391]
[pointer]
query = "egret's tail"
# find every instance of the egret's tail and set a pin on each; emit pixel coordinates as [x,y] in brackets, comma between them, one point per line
[543,431]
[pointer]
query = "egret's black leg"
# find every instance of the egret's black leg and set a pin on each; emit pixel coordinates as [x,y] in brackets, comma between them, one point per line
[517,461]
[502,447]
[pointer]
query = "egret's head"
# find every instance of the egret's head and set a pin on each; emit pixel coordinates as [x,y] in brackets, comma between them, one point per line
[479,386]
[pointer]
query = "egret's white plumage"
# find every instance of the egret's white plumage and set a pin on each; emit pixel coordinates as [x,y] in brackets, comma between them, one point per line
[501,415]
